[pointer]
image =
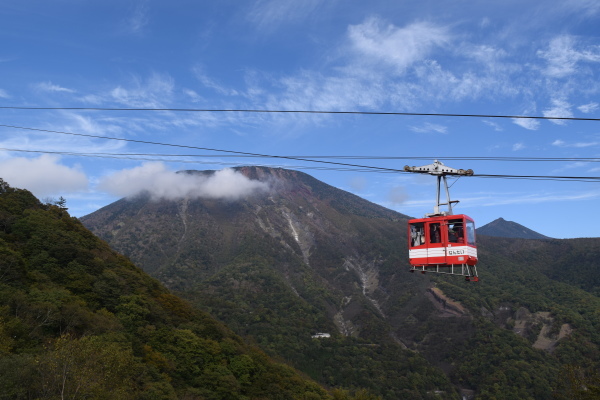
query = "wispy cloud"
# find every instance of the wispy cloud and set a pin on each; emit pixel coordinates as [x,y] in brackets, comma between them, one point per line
[270,14]
[559,108]
[588,108]
[493,124]
[531,124]
[51,87]
[429,127]
[4,94]
[193,96]
[210,83]
[154,92]
[518,146]
[138,19]
[562,143]
[380,42]
[570,166]
[563,55]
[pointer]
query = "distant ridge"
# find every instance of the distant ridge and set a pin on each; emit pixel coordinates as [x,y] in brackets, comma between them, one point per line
[503,228]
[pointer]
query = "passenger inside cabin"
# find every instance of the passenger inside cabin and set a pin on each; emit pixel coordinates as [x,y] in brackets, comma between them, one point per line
[434,233]
[455,232]
[417,234]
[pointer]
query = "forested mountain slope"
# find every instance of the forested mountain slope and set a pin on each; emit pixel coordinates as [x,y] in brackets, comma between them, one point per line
[78,320]
[307,258]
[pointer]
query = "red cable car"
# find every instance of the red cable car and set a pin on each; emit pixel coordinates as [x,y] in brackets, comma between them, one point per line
[442,242]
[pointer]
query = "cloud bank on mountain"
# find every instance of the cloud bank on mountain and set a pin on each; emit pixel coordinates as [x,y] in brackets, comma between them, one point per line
[155,179]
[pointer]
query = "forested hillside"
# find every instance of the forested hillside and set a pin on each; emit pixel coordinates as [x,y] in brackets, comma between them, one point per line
[307,258]
[78,320]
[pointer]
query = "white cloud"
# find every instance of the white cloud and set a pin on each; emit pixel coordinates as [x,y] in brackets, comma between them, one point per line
[139,18]
[574,165]
[211,83]
[4,94]
[51,87]
[527,123]
[518,146]
[493,124]
[160,183]
[269,14]
[588,108]
[429,127]
[562,143]
[153,93]
[194,97]
[562,56]
[560,108]
[43,176]
[376,41]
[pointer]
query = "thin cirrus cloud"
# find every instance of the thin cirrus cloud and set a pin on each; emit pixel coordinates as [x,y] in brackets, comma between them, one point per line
[562,143]
[563,56]
[429,128]
[530,124]
[52,88]
[269,14]
[518,146]
[153,92]
[399,47]
[138,19]
[588,108]
[559,108]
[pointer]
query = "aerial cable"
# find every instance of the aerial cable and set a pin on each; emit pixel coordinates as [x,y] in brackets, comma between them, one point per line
[123,156]
[204,148]
[365,167]
[301,112]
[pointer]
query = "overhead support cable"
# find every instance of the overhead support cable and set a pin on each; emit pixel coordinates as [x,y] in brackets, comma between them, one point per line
[363,168]
[300,112]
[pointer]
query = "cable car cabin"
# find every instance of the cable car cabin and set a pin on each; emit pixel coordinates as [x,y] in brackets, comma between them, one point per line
[443,244]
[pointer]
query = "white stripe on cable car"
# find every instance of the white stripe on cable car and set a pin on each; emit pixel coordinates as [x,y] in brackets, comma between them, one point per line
[442,251]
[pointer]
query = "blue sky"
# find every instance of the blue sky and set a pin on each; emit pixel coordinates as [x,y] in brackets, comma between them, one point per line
[462,57]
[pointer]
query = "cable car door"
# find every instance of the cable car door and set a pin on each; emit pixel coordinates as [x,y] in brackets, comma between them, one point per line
[436,251]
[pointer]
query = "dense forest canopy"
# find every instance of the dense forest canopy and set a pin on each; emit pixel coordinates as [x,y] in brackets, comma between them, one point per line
[78,320]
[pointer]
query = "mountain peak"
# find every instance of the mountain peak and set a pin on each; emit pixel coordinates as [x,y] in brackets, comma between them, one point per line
[503,228]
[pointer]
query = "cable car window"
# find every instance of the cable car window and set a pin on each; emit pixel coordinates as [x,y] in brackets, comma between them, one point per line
[471,233]
[417,234]
[434,233]
[456,232]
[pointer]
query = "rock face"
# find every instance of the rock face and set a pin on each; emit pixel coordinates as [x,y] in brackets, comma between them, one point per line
[540,327]
[502,228]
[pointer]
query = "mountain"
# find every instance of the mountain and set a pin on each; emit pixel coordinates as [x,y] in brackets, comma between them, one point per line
[502,228]
[318,277]
[78,320]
